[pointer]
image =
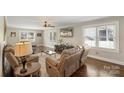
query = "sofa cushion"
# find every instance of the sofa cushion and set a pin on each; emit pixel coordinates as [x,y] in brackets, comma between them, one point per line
[70,51]
[66,53]
[61,60]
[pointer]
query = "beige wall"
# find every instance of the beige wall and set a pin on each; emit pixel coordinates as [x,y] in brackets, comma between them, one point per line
[13,40]
[110,55]
[1,28]
[78,39]
[1,41]
[77,36]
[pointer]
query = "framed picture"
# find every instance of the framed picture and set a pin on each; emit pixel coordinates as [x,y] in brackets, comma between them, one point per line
[13,34]
[66,32]
[27,36]
[31,36]
[39,34]
[23,36]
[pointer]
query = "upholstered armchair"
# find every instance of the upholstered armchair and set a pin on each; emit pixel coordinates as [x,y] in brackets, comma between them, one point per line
[30,58]
[15,64]
[14,61]
[68,63]
[84,55]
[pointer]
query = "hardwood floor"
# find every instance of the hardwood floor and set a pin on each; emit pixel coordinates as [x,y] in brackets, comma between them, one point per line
[95,68]
[98,68]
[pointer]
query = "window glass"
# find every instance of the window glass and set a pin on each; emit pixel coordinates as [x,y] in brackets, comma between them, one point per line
[90,36]
[111,36]
[104,36]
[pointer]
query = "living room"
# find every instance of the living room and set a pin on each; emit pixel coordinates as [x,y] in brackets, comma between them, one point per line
[61,46]
[51,35]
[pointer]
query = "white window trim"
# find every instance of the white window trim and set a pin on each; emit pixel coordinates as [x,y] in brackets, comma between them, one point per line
[117,50]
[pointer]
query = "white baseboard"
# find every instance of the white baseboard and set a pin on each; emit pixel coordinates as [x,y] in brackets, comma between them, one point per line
[107,59]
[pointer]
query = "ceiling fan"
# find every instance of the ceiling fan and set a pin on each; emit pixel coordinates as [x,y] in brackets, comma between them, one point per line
[47,25]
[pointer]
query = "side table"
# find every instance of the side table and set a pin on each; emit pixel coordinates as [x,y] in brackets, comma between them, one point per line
[32,68]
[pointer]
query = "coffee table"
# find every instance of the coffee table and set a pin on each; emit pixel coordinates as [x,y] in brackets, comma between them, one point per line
[49,52]
[32,68]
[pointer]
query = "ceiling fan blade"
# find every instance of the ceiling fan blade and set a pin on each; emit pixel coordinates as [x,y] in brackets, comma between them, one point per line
[49,25]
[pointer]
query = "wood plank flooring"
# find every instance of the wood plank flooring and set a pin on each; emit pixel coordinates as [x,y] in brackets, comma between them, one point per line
[95,68]
[98,68]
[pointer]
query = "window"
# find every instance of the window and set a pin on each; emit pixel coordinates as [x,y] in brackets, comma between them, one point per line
[52,36]
[106,36]
[102,36]
[90,36]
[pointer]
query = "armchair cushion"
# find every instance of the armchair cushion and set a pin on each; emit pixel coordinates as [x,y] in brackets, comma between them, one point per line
[32,58]
[51,64]
[52,61]
[84,55]
[12,60]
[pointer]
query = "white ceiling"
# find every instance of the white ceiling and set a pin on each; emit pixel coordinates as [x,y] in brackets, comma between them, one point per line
[38,21]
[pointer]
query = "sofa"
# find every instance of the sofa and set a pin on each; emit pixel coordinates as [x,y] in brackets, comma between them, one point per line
[61,47]
[68,63]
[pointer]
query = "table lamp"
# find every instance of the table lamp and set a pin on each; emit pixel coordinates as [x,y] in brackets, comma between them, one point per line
[22,49]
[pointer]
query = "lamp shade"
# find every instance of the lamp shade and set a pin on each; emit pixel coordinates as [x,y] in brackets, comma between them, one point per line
[23,49]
